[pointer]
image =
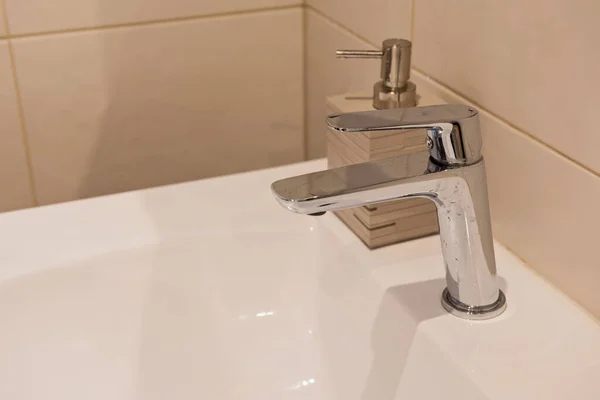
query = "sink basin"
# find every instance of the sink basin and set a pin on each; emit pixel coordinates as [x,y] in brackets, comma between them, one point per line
[210,290]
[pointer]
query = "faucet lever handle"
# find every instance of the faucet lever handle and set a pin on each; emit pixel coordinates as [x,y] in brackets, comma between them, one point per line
[453,133]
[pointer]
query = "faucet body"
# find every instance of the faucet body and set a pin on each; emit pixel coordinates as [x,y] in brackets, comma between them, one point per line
[451,174]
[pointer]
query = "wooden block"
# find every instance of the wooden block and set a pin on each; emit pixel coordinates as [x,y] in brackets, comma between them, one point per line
[374,220]
[403,236]
[347,151]
[406,223]
[333,160]
[355,225]
[338,158]
[391,206]
[391,222]
[390,234]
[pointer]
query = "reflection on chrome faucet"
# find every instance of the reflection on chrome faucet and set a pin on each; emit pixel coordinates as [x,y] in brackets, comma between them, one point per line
[451,174]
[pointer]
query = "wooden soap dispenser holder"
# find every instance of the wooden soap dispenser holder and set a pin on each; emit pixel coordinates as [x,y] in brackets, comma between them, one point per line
[397,221]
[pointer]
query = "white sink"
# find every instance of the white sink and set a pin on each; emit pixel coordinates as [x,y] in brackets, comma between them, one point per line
[210,290]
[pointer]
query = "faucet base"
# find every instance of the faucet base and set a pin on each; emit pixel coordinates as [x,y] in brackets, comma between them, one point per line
[465,311]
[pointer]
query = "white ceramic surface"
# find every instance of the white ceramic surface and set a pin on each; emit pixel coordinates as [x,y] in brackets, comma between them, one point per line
[187,292]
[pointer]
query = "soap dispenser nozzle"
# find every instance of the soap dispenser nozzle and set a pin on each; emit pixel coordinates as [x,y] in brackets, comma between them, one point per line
[394,90]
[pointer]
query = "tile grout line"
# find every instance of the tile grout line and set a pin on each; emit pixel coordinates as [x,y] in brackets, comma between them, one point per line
[304,33]
[466,99]
[339,25]
[152,22]
[20,109]
[506,122]
[552,284]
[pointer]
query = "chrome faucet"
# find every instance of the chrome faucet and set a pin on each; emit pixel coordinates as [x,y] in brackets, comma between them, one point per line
[451,174]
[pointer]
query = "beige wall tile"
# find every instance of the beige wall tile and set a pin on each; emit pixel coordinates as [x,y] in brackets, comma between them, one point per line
[129,108]
[15,190]
[327,76]
[26,16]
[2,26]
[374,20]
[534,63]
[538,206]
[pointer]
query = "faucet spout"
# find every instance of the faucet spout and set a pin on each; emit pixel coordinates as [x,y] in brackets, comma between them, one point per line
[451,174]
[359,184]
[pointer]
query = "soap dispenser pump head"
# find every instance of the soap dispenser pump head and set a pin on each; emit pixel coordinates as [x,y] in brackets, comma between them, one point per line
[394,90]
[395,62]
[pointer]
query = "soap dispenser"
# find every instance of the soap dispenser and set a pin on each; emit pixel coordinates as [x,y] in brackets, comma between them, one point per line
[394,90]
[397,221]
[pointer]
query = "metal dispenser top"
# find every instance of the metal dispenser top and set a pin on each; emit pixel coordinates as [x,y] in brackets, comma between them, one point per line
[394,90]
